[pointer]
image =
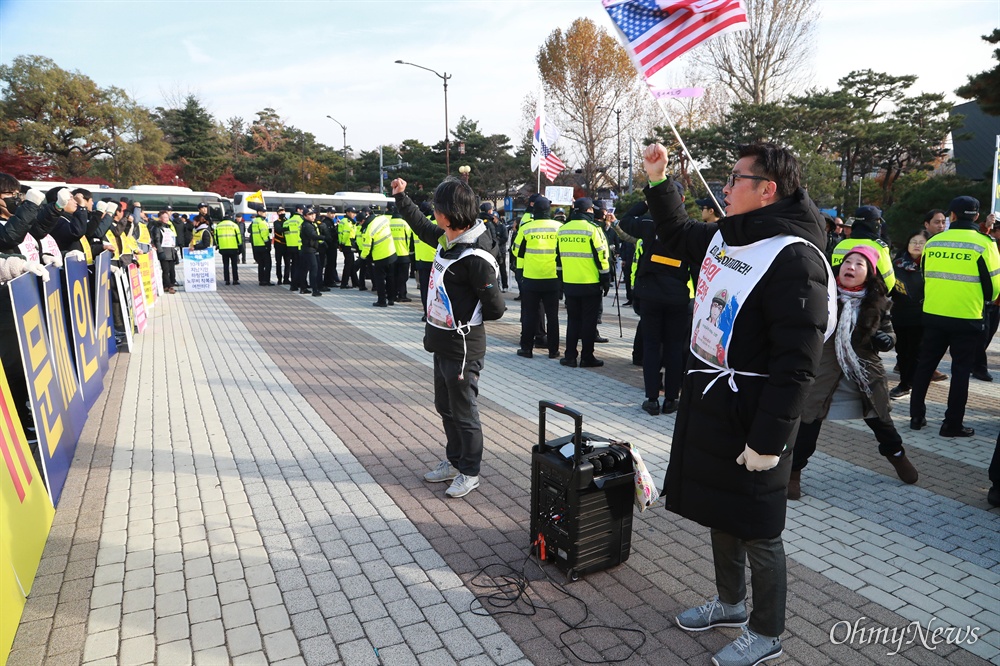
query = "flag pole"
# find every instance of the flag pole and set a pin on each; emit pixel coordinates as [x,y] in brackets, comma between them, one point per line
[677,135]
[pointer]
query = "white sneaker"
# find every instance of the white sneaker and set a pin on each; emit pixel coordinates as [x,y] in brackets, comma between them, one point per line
[443,472]
[462,486]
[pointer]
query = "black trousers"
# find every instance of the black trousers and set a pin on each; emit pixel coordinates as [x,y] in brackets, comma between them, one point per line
[502,263]
[262,255]
[626,272]
[907,352]
[384,279]
[991,318]
[963,346]
[401,271]
[364,269]
[664,339]
[767,569]
[281,260]
[230,257]
[423,280]
[243,251]
[530,301]
[455,401]
[294,256]
[168,268]
[889,441]
[350,270]
[581,324]
[310,270]
[330,277]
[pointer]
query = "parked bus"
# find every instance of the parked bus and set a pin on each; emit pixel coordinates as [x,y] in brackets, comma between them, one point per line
[288,200]
[153,198]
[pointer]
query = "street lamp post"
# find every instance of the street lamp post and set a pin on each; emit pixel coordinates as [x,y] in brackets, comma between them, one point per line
[618,124]
[343,127]
[447,134]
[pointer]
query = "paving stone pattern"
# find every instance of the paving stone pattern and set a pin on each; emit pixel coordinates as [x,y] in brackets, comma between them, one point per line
[248,490]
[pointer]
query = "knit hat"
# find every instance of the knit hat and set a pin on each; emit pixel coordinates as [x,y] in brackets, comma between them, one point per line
[868,252]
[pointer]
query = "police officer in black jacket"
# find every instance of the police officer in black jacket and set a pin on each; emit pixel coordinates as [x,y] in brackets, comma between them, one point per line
[310,248]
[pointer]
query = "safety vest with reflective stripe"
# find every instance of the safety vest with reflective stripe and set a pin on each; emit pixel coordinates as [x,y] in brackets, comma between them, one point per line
[953,284]
[518,261]
[227,235]
[293,230]
[635,261]
[884,267]
[260,232]
[421,250]
[347,230]
[402,236]
[583,252]
[376,240]
[537,248]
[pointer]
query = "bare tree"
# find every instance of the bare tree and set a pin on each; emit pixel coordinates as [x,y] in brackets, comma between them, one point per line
[771,57]
[586,73]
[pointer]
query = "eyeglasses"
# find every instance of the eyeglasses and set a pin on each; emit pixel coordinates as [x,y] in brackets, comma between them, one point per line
[734,176]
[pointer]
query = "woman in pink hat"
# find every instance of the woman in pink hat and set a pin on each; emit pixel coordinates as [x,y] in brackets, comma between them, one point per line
[851,381]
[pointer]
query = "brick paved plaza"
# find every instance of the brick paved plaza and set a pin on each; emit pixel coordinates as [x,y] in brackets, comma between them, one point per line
[248,490]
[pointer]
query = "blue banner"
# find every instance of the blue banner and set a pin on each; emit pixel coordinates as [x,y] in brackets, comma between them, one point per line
[88,366]
[59,343]
[50,398]
[102,307]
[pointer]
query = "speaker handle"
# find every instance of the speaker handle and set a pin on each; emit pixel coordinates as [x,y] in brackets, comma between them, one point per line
[577,424]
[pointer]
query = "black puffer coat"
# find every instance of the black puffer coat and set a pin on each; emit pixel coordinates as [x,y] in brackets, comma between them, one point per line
[778,332]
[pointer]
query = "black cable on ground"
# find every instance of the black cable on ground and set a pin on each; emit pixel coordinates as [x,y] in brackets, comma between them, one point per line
[511,586]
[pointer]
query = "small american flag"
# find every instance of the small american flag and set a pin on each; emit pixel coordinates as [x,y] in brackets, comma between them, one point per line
[656,36]
[551,165]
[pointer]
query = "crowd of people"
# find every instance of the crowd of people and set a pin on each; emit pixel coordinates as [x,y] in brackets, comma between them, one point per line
[755,326]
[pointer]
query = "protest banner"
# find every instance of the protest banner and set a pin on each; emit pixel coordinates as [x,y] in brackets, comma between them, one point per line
[124,305]
[146,272]
[102,307]
[25,519]
[61,346]
[88,367]
[138,298]
[199,269]
[50,404]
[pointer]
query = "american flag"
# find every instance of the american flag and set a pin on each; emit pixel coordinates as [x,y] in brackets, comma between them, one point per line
[656,36]
[551,165]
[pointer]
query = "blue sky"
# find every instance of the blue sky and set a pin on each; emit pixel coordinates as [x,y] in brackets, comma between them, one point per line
[307,59]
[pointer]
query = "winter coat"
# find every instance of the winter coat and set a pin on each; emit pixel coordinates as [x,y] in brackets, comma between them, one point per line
[871,318]
[908,294]
[468,282]
[779,333]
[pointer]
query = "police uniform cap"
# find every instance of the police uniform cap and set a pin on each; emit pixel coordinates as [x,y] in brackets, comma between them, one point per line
[867,213]
[964,207]
[203,204]
[485,207]
[307,210]
[350,209]
[583,204]
[708,203]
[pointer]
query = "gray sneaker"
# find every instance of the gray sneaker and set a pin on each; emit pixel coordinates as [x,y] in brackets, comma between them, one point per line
[443,472]
[712,614]
[462,486]
[749,649]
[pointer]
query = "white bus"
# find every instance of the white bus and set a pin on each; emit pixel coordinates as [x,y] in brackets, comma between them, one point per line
[288,200]
[153,198]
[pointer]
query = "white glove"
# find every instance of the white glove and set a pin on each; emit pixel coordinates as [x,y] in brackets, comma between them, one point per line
[115,270]
[36,197]
[62,198]
[76,254]
[52,260]
[37,269]
[755,462]
[102,207]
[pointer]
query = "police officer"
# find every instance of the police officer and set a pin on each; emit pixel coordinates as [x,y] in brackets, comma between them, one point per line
[308,258]
[402,238]
[865,230]
[961,274]
[330,279]
[586,277]
[346,236]
[364,264]
[377,247]
[227,238]
[281,258]
[293,245]
[535,245]
[260,241]
[423,257]
[323,226]
[201,236]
